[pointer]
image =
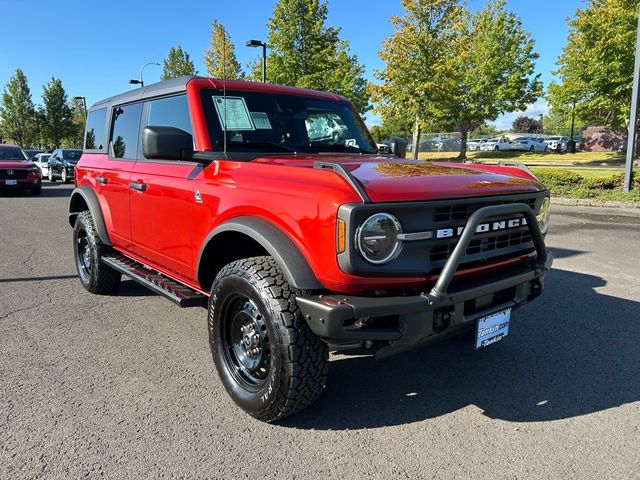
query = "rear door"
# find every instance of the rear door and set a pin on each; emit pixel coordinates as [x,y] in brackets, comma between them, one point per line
[113,173]
[162,195]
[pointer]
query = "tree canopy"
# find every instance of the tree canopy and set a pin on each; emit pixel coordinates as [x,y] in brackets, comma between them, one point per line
[596,66]
[221,59]
[58,123]
[524,124]
[177,64]
[17,111]
[448,66]
[305,52]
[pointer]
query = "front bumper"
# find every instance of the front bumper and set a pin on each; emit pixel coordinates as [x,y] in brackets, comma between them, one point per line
[406,321]
[21,184]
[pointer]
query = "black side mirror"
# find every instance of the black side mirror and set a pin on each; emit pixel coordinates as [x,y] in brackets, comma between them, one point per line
[398,147]
[167,143]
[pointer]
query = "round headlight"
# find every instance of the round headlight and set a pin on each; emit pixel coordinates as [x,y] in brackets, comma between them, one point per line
[377,238]
[543,216]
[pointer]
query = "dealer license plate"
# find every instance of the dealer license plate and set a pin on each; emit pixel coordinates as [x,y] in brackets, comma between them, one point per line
[11,182]
[492,328]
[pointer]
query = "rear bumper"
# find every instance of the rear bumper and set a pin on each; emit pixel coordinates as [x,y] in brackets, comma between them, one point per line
[403,322]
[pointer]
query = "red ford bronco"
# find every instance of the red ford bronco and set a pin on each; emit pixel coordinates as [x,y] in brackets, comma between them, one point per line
[299,236]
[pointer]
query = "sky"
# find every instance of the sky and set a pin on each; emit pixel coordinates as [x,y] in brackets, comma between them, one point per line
[96,47]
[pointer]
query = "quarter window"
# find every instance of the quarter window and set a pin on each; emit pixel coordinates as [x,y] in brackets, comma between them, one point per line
[125,130]
[94,133]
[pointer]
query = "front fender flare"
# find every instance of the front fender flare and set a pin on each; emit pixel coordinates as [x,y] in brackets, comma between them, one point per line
[82,196]
[288,256]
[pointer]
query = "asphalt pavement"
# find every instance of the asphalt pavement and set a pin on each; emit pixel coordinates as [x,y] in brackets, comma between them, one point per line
[124,386]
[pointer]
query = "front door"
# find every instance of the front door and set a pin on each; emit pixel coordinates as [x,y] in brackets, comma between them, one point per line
[161,195]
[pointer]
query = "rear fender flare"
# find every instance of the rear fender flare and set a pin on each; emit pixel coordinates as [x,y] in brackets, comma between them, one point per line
[82,197]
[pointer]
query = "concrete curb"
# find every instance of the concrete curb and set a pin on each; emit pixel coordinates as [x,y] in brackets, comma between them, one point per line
[589,202]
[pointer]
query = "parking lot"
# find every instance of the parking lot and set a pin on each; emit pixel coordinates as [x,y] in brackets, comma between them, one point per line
[124,386]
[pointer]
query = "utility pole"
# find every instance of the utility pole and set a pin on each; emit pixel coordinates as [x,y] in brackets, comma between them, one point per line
[633,119]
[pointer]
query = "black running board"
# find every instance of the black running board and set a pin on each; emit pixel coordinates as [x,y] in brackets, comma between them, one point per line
[176,292]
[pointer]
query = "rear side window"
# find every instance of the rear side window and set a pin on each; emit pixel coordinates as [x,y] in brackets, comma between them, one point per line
[124,131]
[169,112]
[94,133]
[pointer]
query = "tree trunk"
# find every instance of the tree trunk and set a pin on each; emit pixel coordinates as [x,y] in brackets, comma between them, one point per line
[416,139]
[464,133]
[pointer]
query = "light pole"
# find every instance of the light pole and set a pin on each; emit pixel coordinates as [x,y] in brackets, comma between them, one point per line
[572,143]
[141,81]
[84,103]
[258,43]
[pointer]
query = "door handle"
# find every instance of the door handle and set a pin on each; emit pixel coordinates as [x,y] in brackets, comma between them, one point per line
[141,187]
[102,180]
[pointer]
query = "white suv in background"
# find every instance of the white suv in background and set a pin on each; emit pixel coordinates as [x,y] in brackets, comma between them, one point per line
[496,144]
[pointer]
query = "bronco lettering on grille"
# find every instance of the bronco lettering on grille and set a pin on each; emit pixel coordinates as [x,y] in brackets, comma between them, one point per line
[483,227]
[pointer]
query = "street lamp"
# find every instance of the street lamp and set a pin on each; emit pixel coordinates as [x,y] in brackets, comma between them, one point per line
[141,82]
[572,142]
[258,43]
[84,103]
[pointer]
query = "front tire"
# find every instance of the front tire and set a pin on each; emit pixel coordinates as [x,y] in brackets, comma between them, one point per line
[51,178]
[63,176]
[94,275]
[269,360]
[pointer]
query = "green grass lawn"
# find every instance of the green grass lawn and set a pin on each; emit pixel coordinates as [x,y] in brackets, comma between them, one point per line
[593,183]
[579,158]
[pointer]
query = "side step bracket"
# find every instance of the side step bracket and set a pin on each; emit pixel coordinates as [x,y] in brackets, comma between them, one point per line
[176,292]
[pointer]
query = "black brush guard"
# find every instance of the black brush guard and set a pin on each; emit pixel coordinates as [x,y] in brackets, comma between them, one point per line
[419,319]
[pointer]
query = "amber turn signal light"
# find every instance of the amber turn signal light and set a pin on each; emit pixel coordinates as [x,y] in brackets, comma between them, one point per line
[342,236]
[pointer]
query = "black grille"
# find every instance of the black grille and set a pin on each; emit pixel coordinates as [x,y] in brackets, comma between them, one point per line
[494,243]
[17,174]
[462,212]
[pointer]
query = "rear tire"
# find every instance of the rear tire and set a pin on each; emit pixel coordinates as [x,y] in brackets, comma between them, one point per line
[63,176]
[51,178]
[270,362]
[94,275]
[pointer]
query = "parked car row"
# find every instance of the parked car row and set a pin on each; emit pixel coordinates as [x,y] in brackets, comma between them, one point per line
[20,170]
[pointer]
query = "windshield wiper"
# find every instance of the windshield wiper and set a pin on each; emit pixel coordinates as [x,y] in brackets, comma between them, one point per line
[337,147]
[261,144]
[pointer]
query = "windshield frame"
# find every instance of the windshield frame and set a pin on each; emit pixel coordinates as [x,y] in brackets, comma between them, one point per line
[292,110]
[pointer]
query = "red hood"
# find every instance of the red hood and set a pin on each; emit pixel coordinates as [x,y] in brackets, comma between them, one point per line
[16,164]
[392,180]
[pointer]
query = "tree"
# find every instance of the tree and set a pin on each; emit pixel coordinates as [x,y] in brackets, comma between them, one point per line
[221,59]
[304,52]
[596,66]
[75,137]
[177,64]
[17,112]
[58,122]
[524,124]
[457,68]
[557,122]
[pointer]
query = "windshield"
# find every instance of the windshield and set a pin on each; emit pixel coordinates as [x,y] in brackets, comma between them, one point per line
[12,153]
[72,155]
[270,122]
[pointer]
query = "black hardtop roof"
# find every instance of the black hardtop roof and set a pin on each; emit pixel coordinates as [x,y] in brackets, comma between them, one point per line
[166,87]
[179,85]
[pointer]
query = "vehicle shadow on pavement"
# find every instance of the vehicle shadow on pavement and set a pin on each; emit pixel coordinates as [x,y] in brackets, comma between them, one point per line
[56,191]
[572,352]
[130,288]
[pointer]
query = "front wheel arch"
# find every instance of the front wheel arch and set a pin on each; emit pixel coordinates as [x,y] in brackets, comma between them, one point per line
[244,237]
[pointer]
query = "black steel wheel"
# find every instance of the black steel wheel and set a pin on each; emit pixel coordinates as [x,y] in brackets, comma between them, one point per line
[245,342]
[94,275]
[269,360]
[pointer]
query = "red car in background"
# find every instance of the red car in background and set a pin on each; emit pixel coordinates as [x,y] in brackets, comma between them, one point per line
[17,172]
